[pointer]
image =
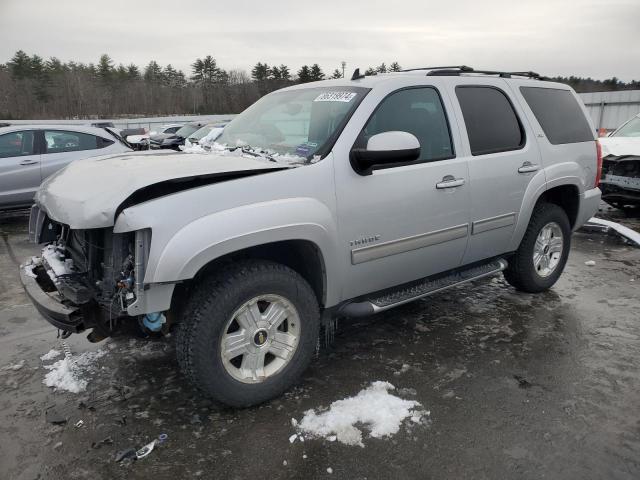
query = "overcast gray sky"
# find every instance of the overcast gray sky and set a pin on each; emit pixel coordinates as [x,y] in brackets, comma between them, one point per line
[598,38]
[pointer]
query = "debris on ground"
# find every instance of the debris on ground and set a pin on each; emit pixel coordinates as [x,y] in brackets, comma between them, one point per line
[54,417]
[373,408]
[607,225]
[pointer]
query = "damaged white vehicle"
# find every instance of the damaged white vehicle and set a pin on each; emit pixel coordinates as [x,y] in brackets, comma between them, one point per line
[339,198]
[620,182]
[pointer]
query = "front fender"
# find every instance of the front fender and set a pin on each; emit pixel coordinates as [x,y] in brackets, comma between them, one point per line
[212,236]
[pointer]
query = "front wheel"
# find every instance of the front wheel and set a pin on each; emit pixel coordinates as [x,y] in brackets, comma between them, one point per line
[248,332]
[543,252]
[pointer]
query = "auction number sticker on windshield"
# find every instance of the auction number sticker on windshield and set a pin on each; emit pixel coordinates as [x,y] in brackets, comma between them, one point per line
[335,97]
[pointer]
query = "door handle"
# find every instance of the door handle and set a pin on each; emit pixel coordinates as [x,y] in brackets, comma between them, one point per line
[449,181]
[528,167]
[28,162]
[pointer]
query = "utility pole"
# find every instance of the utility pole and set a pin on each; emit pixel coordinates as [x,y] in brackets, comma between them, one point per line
[344,64]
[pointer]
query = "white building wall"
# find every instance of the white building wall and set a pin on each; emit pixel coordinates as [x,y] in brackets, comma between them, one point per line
[611,109]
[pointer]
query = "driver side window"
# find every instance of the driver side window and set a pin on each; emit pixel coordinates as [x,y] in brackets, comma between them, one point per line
[418,111]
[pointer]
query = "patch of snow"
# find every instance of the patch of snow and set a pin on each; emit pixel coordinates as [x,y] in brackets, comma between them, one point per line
[50,355]
[246,151]
[293,437]
[626,232]
[16,366]
[590,263]
[329,470]
[67,374]
[374,408]
[58,265]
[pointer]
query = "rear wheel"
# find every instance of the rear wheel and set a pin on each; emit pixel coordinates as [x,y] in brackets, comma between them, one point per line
[248,332]
[543,252]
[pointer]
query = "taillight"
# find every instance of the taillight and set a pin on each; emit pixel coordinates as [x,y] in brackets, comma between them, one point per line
[599,166]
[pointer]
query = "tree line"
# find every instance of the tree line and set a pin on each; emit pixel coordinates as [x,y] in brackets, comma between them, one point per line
[32,87]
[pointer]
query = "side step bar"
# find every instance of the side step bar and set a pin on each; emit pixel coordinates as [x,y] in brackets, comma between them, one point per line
[420,288]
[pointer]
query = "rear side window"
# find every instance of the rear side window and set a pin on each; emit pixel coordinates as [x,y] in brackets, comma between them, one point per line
[16,144]
[58,141]
[492,123]
[418,111]
[559,115]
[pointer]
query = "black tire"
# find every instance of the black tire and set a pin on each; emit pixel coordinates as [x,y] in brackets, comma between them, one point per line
[521,272]
[209,309]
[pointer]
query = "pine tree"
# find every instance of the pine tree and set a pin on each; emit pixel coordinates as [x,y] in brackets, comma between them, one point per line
[260,72]
[284,72]
[316,73]
[105,67]
[153,72]
[336,73]
[395,67]
[370,71]
[20,65]
[382,68]
[304,74]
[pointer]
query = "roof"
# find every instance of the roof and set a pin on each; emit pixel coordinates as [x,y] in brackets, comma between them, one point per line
[69,128]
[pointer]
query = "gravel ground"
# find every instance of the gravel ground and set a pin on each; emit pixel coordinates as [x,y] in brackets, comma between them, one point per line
[518,386]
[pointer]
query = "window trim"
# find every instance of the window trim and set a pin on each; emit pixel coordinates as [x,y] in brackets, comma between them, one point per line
[352,159]
[523,133]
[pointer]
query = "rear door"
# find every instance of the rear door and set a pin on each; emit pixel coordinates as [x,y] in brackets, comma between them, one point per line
[503,159]
[61,147]
[19,168]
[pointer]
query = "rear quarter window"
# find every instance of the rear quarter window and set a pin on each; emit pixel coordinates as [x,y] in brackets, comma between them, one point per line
[559,115]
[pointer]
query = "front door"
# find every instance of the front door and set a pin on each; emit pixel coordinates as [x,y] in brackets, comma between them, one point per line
[406,221]
[19,169]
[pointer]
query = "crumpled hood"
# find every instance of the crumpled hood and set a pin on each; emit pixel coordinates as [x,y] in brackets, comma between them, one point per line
[620,146]
[87,193]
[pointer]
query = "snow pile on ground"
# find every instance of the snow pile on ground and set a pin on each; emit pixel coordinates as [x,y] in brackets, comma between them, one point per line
[50,355]
[67,374]
[373,408]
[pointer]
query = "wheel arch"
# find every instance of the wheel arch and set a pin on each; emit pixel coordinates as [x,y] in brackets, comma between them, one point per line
[566,196]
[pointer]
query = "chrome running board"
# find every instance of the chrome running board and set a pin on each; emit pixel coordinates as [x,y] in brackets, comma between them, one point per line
[409,292]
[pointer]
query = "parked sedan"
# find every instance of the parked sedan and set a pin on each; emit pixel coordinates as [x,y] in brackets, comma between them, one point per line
[30,153]
[175,140]
[140,141]
[620,182]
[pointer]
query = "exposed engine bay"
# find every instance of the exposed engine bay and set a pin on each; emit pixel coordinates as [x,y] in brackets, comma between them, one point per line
[620,182]
[95,271]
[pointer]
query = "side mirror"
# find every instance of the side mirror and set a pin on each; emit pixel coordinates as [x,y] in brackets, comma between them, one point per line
[385,148]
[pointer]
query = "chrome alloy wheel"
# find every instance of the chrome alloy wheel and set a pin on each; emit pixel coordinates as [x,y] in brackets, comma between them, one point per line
[260,338]
[547,251]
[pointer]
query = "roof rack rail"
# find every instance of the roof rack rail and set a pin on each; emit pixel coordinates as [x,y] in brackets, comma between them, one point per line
[459,69]
[462,68]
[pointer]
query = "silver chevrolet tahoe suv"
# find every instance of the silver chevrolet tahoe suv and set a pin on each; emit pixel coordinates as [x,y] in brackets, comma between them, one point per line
[338,198]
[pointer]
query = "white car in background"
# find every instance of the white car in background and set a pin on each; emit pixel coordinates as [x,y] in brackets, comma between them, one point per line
[620,182]
[141,142]
[30,153]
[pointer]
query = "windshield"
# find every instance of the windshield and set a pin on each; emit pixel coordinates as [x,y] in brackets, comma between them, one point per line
[187,130]
[629,129]
[200,133]
[302,122]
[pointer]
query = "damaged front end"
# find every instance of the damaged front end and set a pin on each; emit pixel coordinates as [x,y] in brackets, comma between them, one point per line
[620,184]
[88,278]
